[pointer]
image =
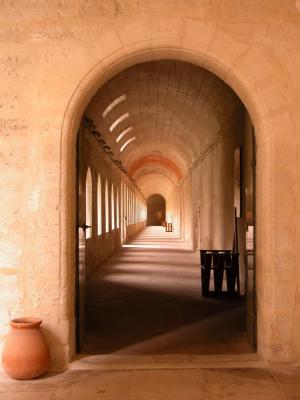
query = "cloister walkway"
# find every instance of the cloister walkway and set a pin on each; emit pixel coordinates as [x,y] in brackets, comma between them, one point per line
[146,299]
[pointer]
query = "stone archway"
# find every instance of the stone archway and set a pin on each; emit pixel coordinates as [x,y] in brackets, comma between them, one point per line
[224,64]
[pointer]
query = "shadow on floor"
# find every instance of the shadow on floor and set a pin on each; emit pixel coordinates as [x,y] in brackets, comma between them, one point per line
[148,302]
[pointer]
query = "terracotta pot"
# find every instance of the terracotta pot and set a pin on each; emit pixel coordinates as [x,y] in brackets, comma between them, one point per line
[25,354]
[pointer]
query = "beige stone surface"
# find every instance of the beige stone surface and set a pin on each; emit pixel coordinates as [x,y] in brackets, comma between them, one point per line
[53,60]
[169,383]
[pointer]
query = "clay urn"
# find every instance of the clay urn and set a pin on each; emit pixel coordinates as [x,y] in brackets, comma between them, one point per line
[25,354]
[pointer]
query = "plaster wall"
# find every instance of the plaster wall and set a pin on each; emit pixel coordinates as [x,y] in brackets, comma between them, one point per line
[54,59]
[205,199]
[215,191]
[206,194]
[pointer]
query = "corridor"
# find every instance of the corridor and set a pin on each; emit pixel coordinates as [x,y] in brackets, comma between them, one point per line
[117,117]
[146,299]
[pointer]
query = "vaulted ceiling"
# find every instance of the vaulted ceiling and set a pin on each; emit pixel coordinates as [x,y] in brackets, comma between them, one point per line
[159,117]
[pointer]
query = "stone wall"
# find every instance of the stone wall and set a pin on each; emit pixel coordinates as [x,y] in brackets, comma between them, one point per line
[101,245]
[55,58]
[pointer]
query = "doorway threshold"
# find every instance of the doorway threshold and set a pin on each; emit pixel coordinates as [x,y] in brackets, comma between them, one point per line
[168,361]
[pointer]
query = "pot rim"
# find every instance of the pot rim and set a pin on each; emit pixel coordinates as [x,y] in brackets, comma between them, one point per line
[25,323]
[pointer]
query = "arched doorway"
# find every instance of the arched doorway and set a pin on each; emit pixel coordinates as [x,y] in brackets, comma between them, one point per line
[196,164]
[156,210]
[88,87]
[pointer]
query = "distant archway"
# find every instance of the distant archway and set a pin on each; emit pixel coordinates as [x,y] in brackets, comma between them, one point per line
[156,210]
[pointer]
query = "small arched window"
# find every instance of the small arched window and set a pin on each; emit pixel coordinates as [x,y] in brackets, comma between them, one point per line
[99,205]
[106,208]
[131,210]
[118,121]
[118,211]
[89,202]
[122,134]
[127,206]
[113,104]
[127,143]
[112,207]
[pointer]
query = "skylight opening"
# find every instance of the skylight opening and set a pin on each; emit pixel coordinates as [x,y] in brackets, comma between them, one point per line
[127,143]
[113,104]
[118,121]
[123,133]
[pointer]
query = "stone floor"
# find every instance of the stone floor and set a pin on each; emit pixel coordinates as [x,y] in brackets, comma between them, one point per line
[146,299]
[158,384]
[169,356]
